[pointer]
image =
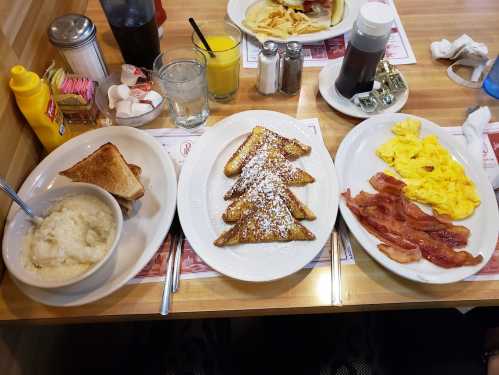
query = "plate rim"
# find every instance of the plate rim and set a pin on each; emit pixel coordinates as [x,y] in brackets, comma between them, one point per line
[361,234]
[182,198]
[303,38]
[159,234]
[323,90]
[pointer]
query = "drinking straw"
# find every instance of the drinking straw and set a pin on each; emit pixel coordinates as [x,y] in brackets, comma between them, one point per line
[197,30]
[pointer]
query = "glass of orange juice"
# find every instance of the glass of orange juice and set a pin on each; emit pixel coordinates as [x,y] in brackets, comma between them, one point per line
[222,70]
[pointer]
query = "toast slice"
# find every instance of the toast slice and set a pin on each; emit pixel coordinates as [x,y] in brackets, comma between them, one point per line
[136,170]
[269,225]
[127,206]
[290,148]
[259,194]
[107,168]
[267,161]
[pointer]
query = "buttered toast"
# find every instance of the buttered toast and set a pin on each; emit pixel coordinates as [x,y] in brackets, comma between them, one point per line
[107,168]
[289,148]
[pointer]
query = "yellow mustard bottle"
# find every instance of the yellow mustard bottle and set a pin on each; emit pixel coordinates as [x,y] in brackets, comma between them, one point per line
[38,106]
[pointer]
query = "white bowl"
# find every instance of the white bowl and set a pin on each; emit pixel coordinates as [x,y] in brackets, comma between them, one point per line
[102,102]
[17,228]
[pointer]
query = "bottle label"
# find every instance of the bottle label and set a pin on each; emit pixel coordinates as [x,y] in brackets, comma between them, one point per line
[55,115]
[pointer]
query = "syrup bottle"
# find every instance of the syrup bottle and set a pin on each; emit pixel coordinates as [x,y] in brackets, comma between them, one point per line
[366,48]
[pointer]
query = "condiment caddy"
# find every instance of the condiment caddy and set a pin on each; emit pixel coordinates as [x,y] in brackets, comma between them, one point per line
[74,94]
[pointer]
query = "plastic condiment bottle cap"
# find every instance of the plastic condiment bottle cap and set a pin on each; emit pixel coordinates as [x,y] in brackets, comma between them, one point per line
[269,48]
[293,48]
[375,19]
[22,81]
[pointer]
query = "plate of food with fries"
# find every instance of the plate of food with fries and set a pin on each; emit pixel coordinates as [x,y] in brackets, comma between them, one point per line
[304,21]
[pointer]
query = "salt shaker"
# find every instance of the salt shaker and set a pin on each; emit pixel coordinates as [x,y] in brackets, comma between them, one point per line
[292,68]
[268,69]
[74,37]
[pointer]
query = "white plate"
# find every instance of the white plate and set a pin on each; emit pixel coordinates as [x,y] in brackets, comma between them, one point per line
[236,10]
[202,185]
[356,162]
[142,234]
[328,76]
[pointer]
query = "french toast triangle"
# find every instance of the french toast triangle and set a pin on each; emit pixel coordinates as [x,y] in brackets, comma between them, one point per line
[107,168]
[272,222]
[289,148]
[267,160]
[263,207]
[259,192]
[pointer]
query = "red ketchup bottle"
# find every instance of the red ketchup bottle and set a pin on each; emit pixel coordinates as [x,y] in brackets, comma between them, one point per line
[366,48]
[160,13]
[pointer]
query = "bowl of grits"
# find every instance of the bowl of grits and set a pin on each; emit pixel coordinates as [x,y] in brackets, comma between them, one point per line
[79,232]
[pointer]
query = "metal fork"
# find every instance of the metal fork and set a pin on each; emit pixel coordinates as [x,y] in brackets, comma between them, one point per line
[344,237]
[167,288]
[178,261]
[340,240]
[335,267]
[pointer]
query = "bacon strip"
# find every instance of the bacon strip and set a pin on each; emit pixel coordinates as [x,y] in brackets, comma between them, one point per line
[445,231]
[455,236]
[418,219]
[399,254]
[386,184]
[406,231]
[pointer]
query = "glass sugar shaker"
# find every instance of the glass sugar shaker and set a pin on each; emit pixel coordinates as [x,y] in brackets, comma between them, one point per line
[292,68]
[268,69]
[74,35]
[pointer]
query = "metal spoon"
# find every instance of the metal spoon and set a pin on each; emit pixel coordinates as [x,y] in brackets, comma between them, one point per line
[12,193]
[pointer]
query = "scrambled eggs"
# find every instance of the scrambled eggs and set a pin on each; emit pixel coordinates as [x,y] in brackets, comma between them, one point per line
[431,174]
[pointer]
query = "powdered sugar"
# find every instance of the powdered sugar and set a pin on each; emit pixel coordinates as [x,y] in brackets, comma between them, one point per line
[263,185]
[272,212]
[265,161]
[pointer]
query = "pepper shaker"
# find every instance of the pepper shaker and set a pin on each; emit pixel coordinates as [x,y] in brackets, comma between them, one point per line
[268,69]
[292,68]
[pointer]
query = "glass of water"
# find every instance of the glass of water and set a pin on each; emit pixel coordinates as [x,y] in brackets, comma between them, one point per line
[182,76]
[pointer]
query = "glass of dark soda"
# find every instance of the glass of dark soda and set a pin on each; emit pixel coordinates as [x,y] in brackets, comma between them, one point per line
[134,27]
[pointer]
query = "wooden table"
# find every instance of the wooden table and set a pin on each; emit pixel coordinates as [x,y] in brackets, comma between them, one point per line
[365,285]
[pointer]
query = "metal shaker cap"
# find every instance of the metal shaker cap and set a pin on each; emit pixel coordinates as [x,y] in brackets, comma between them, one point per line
[293,49]
[71,31]
[269,48]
